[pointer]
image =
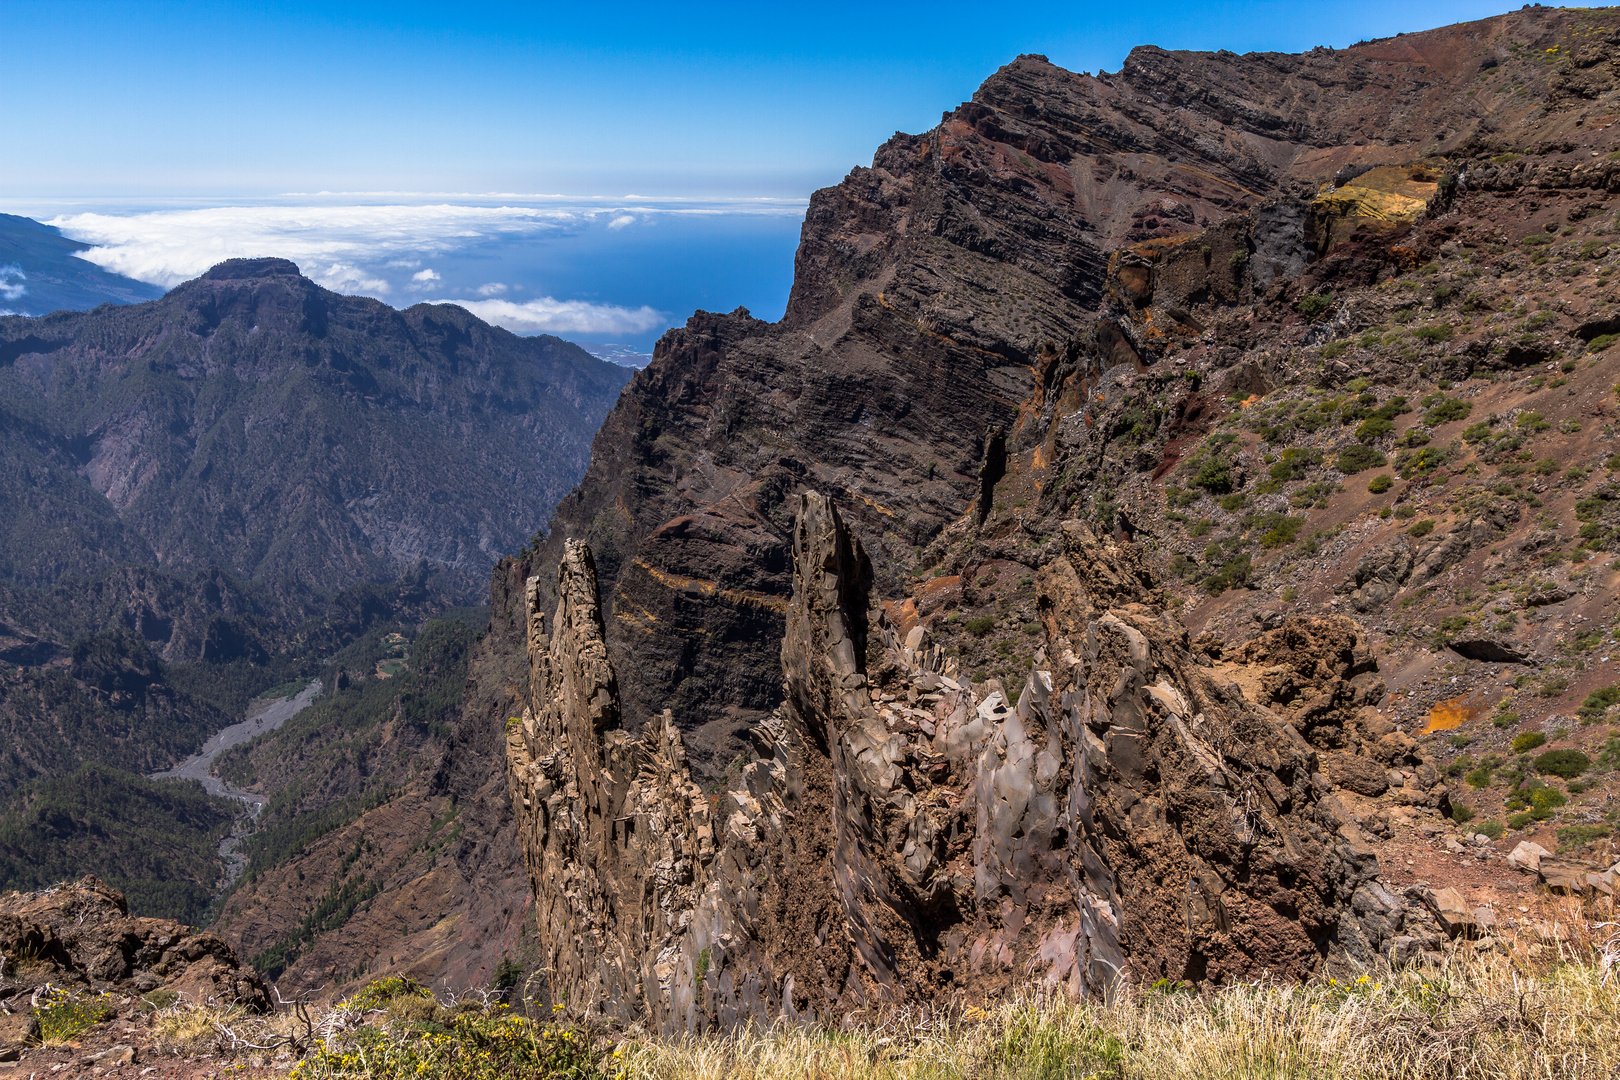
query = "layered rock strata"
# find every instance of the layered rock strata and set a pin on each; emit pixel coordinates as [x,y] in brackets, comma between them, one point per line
[960,285]
[905,834]
[1054,307]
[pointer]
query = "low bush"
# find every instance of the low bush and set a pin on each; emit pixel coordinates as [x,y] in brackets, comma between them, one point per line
[1314,305]
[1447,411]
[1567,764]
[1422,528]
[1232,574]
[1380,483]
[1532,421]
[1357,458]
[1280,530]
[979,625]
[1214,475]
[1578,836]
[1544,800]
[1528,741]
[63,1014]
[1598,703]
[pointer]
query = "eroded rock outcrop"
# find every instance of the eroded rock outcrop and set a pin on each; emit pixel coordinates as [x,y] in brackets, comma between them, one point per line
[81,934]
[906,834]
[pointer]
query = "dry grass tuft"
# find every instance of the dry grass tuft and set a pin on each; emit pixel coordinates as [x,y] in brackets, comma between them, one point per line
[1545,1006]
[1541,1005]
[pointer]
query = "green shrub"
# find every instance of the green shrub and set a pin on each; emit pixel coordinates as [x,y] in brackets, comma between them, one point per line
[470,1044]
[980,625]
[1232,574]
[1354,459]
[1282,531]
[1447,411]
[158,999]
[1544,800]
[1521,820]
[1373,427]
[1434,335]
[1492,829]
[1420,462]
[379,992]
[1294,463]
[1601,342]
[1597,703]
[1578,836]
[1531,421]
[1527,741]
[1566,764]
[1422,528]
[1461,812]
[1214,475]
[1314,305]
[1609,756]
[1380,484]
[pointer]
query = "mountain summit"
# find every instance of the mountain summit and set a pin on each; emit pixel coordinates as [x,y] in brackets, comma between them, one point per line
[252,421]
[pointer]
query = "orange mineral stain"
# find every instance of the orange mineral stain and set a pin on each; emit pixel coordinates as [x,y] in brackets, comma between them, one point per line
[1449,714]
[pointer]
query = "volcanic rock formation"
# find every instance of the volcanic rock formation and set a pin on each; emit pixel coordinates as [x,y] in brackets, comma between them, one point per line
[767,768]
[906,833]
[80,935]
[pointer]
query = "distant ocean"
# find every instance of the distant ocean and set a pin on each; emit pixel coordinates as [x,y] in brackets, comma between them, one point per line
[610,273]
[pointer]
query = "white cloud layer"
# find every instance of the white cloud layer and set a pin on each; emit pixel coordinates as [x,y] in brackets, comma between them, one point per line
[166,247]
[548,316]
[352,243]
[11,282]
[343,278]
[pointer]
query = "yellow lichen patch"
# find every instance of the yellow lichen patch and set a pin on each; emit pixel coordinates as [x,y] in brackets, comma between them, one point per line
[1450,714]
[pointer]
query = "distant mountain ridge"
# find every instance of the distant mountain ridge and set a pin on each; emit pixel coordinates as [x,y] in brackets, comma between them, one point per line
[209,494]
[252,421]
[40,272]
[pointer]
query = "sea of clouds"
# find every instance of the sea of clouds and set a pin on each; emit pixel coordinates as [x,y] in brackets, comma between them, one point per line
[521,262]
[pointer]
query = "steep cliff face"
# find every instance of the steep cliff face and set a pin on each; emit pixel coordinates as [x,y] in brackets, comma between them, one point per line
[957,288]
[996,755]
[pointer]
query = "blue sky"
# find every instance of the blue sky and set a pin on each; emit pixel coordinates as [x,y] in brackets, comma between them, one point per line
[415,151]
[173,99]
